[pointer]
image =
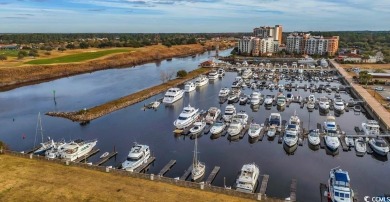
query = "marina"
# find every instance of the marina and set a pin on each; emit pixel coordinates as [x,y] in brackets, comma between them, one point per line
[154,128]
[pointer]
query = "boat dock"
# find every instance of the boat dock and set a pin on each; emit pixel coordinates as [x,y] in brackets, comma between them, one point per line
[33,149]
[262,133]
[343,143]
[144,165]
[86,156]
[368,149]
[105,159]
[167,167]
[186,173]
[212,175]
[264,184]
[322,142]
[293,190]
[280,139]
[324,192]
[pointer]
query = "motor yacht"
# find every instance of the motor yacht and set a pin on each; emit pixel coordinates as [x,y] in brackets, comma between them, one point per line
[339,186]
[230,111]
[324,103]
[173,95]
[235,127]
[254,130]
[201,81]
[314,137]
[56,150]
[271,131]
[268,100]
[212,114]
[255,98]
[332,141]
[330,124]
[281,100]
[213,75]
[370,128]
[188,116]
[221,72]
[290,137]
[247,180]
[360,146]
[138,155]
[339,104]
[242,117]
[224,92]
[312,98]
[197,127]
[247,74]
[218,127]
[243,99]
[379,145]
[275,119]
[76,149]
[189,87]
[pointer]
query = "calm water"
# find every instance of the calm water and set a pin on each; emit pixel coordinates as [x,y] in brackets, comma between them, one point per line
[121,128]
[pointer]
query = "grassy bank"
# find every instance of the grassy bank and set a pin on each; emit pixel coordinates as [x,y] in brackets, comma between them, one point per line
[104,109]
[32,180]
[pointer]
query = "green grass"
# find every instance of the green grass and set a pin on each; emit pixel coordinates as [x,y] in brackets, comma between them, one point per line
[78,57]
[9,53]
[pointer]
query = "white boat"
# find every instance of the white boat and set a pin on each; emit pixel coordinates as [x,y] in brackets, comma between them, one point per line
[243,99]
[173,95]
[275,119]
[224,92]
[290,137]
[198,168]
[339,186]
[324,103]
[44,145]
[233,97]
[189,87]
[104,154]
[271,131]
[221,72]
[254,130]
[281,100]
[242,117]
[138,155]
[247,180]
[360,145]
[332,141]
[230,111]
[155,104]
[330,124]
[339,104]
[213,75]
[379,145]
[349,141]
[314,137]
[201,81]
[310,105]
[235,127]
[188,116]
[198,127]
[370,128]
[55,151]
[268,100]
[217,128]
[212,115]
[247,74]
[255,98]
[76,149]
[312,98]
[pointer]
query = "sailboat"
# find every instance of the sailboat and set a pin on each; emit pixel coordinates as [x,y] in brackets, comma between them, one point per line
[198,168]
[44,145]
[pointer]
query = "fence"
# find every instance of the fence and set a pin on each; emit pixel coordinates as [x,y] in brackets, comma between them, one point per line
[177,182]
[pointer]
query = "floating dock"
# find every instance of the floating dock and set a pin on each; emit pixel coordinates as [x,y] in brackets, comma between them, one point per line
[324,192]
[33,149]
[212,175]
[264,184]
[343,143]
[167,167]
[105,159]
[322,142]
[144,165]
[293,190]
[186,173]
[85,157]
[262,133]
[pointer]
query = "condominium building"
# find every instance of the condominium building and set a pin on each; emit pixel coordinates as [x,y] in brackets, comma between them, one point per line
[301,43]
[256,46]
[265,32]
[245,45]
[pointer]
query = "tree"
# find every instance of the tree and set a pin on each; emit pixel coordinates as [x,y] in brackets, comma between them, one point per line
[3,57]
[33,53]
[22,54]
[83,45]
[62,49]
[163,76]
[365,77]
[181,73]
[70,46]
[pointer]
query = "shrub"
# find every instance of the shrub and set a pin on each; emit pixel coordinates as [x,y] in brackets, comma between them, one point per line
[181,73]
[3,57]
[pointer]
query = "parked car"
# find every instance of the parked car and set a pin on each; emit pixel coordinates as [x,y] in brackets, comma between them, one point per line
[388,98]
[379,88]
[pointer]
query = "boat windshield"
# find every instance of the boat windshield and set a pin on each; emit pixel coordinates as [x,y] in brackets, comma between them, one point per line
[314,134]
[254,127]
[330,125]
[133,159]
[339,104]
[230,112]
[289,135]
[380,143]
[218,124]
[182,118]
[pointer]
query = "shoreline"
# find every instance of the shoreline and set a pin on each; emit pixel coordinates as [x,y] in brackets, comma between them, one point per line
[15,77]
[84,117]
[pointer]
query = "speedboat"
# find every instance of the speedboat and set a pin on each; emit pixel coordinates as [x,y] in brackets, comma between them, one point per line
[268,100]
[235,127]
[312,98]
[230,111]
[221,72]
[56,150]
[198,168]
[212,115]
[330,124]
[105,154]
[186,117]
[310,105]
[290,137]
[243,99]
[224,92]
[198,127]
[275,119]
[360,145]
[138,155]
[201,80]
[370,128]
[332,141]
[281,100]
[349,141]
[247,180]
[217,128]
[339,104]
[155,104]
[247,73]
[76,149]
[314,137]
[271,131]
[189,86]
[173,95]
[324,103]
[339,186]
[254,130]
[232,98]
[213,75]
[255,98]
[379,145]
[242,117]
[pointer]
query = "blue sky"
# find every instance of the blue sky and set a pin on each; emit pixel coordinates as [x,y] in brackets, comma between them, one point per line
[191,15]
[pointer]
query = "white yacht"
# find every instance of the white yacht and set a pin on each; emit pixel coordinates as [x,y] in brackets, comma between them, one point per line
[198,168]
[247,74]
[379,145]
[201,81]
[370,128]
[360,145]
[324,103]
[331,138]
[268,100]
[247,180]
[138,155]
[242,117]
[312,98]
[189,86]
[339,104]
[186,117]
[271,131]
[224,92]
[330,124]
[275,119]
[221,72]
[198,127]
[212,115]
[255,98]
[56,150]
[254,130]
[218,127]
[290,137]
[76,149]
[339,186]
[173,95]
[281,100]
[213,75]
[230,111]
[310,105]
[314,137]
[235,127]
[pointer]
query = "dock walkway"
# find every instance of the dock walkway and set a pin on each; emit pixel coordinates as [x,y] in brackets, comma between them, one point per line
[264,184]
[109,156]
[85,157]
[186,173]
[167,167]
[212,175]
[144,165]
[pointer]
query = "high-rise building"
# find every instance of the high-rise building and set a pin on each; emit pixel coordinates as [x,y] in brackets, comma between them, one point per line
[306,44]
[265,32]
[245,45]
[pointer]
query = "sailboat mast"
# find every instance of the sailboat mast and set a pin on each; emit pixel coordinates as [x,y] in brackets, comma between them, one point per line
[40,125]
[195,160]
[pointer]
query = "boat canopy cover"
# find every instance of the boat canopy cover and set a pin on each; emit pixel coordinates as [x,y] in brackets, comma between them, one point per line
[341,179]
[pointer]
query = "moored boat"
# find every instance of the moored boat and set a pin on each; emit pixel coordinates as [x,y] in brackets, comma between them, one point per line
[186,117]
[189,87]
[76,149]
[212,115]
[339,186]
[138,155]
[379,145]
[173,95]
[247,180]
[198,127]
[254,130]
[218,127]
[314,137]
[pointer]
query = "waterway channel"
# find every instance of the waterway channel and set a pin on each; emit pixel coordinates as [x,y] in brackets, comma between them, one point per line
[19,108]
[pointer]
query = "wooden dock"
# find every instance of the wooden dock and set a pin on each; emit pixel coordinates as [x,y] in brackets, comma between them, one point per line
[33,149]
[324,192]
[264,184]
[212,175]
[343,143]
[262,133]
[144,165]
[186,173]
[105,159]
[167,167]
[85,157]
[280,139]
[369,149]
[322,142]
[293,190]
